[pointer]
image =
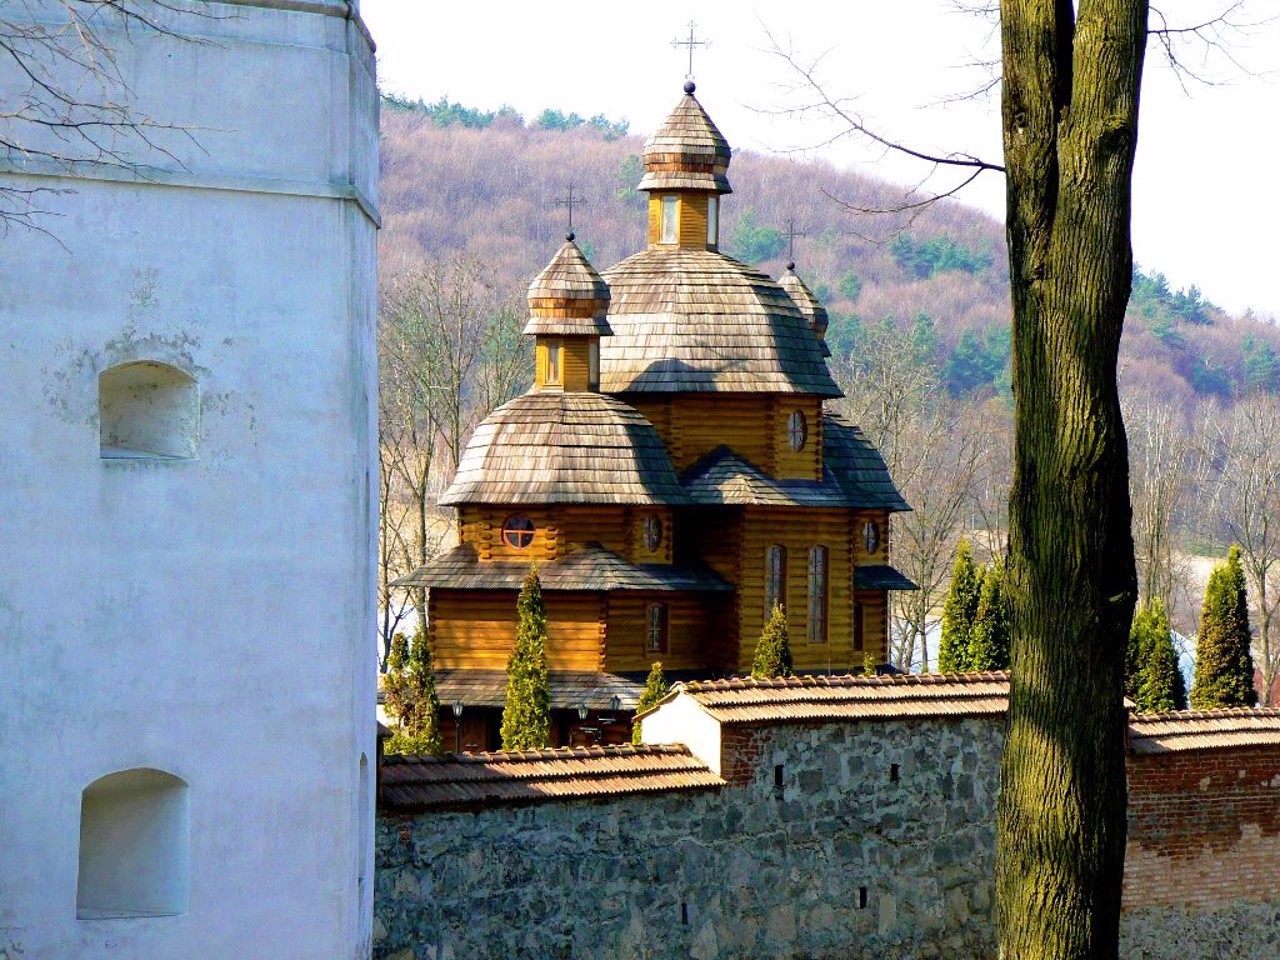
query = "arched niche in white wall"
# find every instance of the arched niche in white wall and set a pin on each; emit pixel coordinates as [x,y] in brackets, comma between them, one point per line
[134,846]
[148,410]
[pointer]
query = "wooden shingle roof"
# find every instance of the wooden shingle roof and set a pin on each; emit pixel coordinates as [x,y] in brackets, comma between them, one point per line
[568,297]
[412,783]
[853,475]
[568,688]
[1151,733]
[849,457]
[810,306]
[687,152]
[696,320]
[809,698]
[590,568]
[549,447]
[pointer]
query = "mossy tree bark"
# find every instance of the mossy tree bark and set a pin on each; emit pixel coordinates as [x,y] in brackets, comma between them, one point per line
[1071,78]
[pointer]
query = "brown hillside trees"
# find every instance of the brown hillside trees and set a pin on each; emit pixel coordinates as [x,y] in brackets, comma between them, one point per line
[1071,76]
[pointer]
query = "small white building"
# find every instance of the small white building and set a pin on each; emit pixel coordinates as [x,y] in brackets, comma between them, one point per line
[187,384]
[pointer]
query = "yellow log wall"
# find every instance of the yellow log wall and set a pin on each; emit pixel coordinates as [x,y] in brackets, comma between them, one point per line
[561,530]
[754,426]
[476,630]
[696,626]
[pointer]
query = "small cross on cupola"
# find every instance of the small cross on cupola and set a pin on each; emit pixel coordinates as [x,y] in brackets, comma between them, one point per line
[685,166]
[810,306]
[567,305]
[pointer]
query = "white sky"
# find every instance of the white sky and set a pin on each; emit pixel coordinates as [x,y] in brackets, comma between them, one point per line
[1205,206]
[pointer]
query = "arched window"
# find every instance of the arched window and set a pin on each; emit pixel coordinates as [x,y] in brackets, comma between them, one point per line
[518,532]
[775,578]
[797,430]
[871,536]
[817,594]
[652,532]
[134,846]
[147,411]
[656,628]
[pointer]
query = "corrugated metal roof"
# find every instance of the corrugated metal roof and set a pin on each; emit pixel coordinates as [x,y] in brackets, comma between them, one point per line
[1203,729]
[467,780]
[590,568]
[849,697]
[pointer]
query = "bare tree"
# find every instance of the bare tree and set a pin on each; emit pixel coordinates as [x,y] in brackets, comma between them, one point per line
[449,352]
[1246,508]
[1161,451]
[934,452]
[64,101]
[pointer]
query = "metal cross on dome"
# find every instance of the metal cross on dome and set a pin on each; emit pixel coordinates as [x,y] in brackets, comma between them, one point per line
[690,43]
[792,233]
[570,201]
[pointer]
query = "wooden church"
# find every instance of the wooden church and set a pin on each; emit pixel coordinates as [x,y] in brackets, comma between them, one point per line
[672,473]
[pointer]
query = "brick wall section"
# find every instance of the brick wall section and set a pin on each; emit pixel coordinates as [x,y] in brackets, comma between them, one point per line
[1204,827]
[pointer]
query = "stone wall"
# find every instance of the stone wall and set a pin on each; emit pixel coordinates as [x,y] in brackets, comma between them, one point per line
[879,835]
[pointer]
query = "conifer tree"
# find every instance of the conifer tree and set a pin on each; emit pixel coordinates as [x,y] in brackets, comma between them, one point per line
[526,714]
[1160,685]
[958,612]
[1224,665]
[773,652]
[989,638]
[655,688]
[411,698]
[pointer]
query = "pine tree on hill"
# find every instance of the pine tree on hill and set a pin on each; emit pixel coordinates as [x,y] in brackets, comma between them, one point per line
[1224,665]
[411,698]
[655,688]
[773,652]
[989,639]
[526,713]
[958,612]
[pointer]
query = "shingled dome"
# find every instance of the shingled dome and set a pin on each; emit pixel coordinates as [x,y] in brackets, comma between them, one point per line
[810,307]
[687,152]
[568,298]
[550,447]
[699,321]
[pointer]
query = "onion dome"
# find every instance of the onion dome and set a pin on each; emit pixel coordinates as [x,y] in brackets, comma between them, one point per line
[546,447]
[568,298]
[688,320]
[810,307]
[687,152]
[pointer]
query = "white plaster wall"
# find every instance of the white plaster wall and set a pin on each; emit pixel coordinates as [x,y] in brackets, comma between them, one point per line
[681,720]
[208,618]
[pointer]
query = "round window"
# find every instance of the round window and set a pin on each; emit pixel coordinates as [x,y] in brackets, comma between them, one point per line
[871,536]
[797,430]
[518,532]
[652,532]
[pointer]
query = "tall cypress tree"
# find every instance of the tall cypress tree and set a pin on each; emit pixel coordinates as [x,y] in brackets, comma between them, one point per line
[989,638]
[655,688]
[526,714]
[958,612]
[773,652]
[1224,665]
[411,698]
[1152,678]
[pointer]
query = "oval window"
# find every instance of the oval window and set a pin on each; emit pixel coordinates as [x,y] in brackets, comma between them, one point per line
[871,536]
[797,430]
[518,532]
[652,532]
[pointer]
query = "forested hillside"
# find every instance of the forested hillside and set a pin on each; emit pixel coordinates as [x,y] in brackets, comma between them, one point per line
[919,334]
[455,179]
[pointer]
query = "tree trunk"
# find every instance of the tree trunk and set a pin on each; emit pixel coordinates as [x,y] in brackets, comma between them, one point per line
[1070,110]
